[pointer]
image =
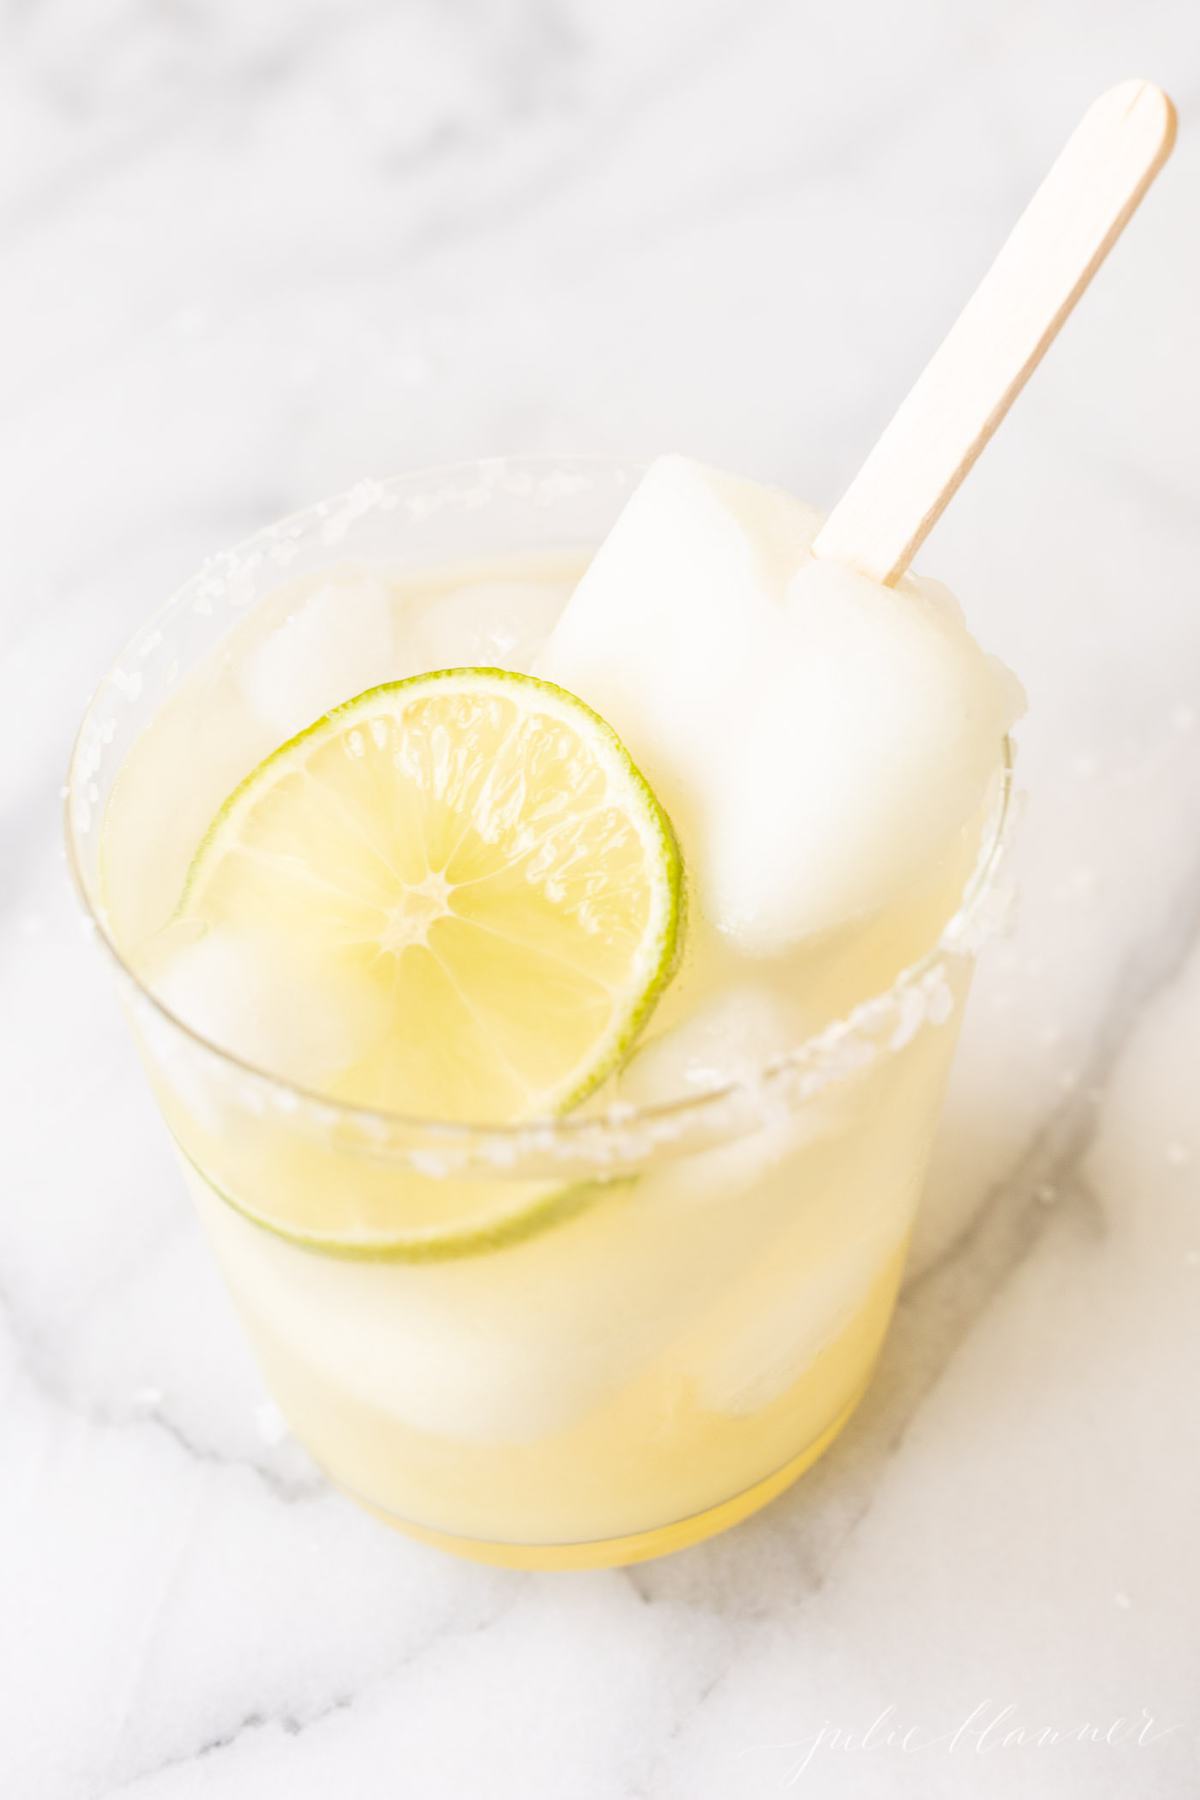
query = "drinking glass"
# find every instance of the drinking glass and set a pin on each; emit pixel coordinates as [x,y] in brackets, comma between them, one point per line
[630,1327]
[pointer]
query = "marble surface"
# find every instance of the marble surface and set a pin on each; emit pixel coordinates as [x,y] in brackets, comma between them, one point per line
[254,252]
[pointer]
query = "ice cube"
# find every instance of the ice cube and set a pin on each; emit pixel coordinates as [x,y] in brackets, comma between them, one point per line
[455,1348]
[764,1338]
[335,641]
[818,739]
[482,624]
[728,1036]
[263,997]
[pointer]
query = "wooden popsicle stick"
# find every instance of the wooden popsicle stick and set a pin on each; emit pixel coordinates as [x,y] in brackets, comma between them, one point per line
[1002,333]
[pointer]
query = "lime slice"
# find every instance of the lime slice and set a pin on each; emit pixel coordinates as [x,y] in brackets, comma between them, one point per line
[469,867]
[403,1216]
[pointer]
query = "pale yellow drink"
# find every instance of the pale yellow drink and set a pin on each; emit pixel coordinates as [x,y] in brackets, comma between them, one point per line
[618,1333]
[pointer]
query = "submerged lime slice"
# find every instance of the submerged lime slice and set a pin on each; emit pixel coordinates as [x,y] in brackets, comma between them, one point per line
[481,888]
[400,1216]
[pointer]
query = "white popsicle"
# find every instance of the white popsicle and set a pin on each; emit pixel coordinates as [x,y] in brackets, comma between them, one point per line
[817,738]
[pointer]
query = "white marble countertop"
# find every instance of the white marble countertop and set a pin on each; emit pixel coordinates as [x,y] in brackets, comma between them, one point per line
[254,252]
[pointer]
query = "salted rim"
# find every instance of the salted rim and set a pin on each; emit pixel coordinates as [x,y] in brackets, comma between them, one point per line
[608,1135]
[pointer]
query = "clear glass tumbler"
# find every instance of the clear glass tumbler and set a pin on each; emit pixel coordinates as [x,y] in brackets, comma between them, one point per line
[691,1297]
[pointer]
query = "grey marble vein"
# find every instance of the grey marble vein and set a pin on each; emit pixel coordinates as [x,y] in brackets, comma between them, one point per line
[37,1364]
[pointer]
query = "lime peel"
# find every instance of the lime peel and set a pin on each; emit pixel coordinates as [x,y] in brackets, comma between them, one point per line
[503,1230]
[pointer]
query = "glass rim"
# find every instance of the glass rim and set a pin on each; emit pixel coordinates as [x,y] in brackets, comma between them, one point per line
[686,1114]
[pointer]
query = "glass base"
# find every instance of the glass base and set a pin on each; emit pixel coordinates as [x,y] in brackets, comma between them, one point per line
[641,1546]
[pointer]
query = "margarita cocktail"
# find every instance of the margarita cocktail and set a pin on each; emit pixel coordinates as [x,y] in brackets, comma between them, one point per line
[548,962]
